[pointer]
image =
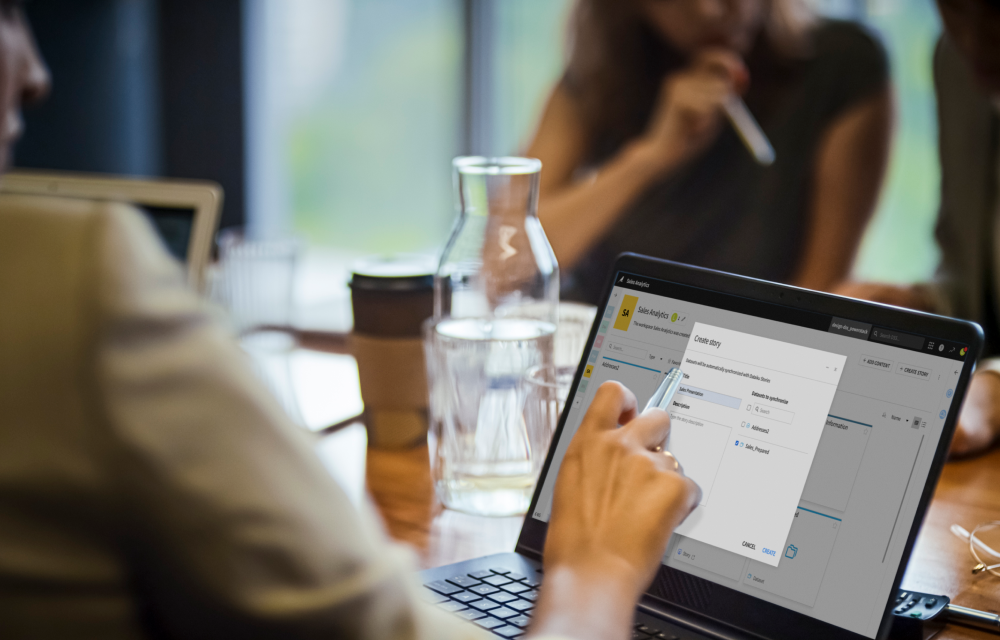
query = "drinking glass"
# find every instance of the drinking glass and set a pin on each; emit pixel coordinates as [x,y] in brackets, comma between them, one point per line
[575,321]
[484,454]
[545,393]
[496,296]
[256,280]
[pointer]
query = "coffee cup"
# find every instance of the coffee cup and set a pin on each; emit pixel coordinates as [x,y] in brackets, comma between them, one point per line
[391,299]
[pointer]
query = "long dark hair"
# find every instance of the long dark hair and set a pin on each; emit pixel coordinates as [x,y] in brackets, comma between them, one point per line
[617,63]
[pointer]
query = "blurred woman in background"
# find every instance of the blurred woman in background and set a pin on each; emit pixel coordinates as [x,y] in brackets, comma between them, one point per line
[638,155]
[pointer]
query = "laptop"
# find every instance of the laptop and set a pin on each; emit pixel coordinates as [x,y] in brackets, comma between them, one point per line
[815,425]
[184,213]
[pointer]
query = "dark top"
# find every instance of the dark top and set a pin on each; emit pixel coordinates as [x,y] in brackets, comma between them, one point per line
[967,233]
[724,211]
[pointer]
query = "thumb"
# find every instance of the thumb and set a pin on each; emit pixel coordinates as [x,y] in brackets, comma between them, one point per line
[725,63]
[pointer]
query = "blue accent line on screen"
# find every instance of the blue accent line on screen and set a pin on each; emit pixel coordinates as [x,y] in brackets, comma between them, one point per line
[819,514]
[863,424]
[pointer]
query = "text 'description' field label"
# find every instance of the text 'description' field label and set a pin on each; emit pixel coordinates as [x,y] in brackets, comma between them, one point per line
[753,480]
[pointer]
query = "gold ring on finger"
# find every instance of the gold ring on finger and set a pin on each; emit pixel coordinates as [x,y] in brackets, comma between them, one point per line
[676,465]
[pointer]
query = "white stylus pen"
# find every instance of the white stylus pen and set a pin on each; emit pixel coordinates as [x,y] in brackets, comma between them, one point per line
[749,131]
[664,395]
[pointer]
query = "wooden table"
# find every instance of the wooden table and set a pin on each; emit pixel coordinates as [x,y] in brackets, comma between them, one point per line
[399,483]
[968,494]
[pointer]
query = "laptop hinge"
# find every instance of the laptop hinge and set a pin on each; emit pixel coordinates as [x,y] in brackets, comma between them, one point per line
[694,622]
[677,616]
[527,552]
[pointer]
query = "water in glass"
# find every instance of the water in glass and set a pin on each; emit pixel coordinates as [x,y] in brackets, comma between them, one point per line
[484,453]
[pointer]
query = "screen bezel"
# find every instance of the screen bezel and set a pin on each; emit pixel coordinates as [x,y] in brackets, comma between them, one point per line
[736,609]
[201,196]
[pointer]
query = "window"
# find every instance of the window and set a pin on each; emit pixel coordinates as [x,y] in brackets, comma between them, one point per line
[530,53]
[356,108]
[899,245]
[353,114]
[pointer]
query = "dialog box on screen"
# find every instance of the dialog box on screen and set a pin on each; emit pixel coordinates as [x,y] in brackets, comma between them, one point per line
[745,427]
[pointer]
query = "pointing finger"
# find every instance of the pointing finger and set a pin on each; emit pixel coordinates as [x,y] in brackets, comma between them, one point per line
[613,404]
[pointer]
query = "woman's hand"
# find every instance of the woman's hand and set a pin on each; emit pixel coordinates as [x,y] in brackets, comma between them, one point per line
[616,501]
[689,112]
[979,423]
[686,119]
[616,504]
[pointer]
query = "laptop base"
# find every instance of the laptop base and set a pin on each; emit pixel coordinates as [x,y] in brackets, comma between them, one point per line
[498,593]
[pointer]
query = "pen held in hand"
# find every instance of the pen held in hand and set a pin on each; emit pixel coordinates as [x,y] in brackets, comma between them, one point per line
[663,397]
[749,131]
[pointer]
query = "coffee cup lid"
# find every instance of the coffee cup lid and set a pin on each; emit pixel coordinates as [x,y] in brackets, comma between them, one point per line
[406,272]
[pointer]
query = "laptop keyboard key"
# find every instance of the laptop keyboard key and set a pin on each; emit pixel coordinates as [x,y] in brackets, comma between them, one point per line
[489,622]
[484,605]
[496,581]
[479,575]
[519,621]
[521,605]
[502,597]
[515,587]
[516,576]
[503,612]
[465,596]
[532,582]
[470,614]
[530,595]
[463,581]
[508,632]
[482,589]
[443,587]
[500,570]
[451,606]
[434,598]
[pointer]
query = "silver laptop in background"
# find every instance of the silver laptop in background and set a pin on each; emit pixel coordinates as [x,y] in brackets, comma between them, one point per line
[185,213]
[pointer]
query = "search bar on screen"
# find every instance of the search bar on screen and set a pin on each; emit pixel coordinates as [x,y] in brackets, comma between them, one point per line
[625,350]
[897,338]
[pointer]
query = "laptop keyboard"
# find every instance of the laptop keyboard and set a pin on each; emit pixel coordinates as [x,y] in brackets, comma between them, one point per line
[498,600]
[502,601]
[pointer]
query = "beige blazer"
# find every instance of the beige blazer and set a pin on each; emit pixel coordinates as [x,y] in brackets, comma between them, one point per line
[149,485]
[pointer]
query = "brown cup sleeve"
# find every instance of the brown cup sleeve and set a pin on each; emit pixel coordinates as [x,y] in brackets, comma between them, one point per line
[394,388]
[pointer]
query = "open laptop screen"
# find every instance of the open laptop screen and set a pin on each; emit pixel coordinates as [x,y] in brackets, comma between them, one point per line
[811,436]
[174,226]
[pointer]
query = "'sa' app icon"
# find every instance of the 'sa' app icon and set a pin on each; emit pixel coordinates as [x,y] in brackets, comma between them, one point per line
[625,312]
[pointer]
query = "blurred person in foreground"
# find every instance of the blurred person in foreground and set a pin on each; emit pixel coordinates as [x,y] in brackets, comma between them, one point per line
[967,87]
[639,156]
[150,487]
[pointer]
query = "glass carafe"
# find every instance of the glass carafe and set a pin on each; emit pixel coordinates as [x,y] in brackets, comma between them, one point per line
[496,310]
